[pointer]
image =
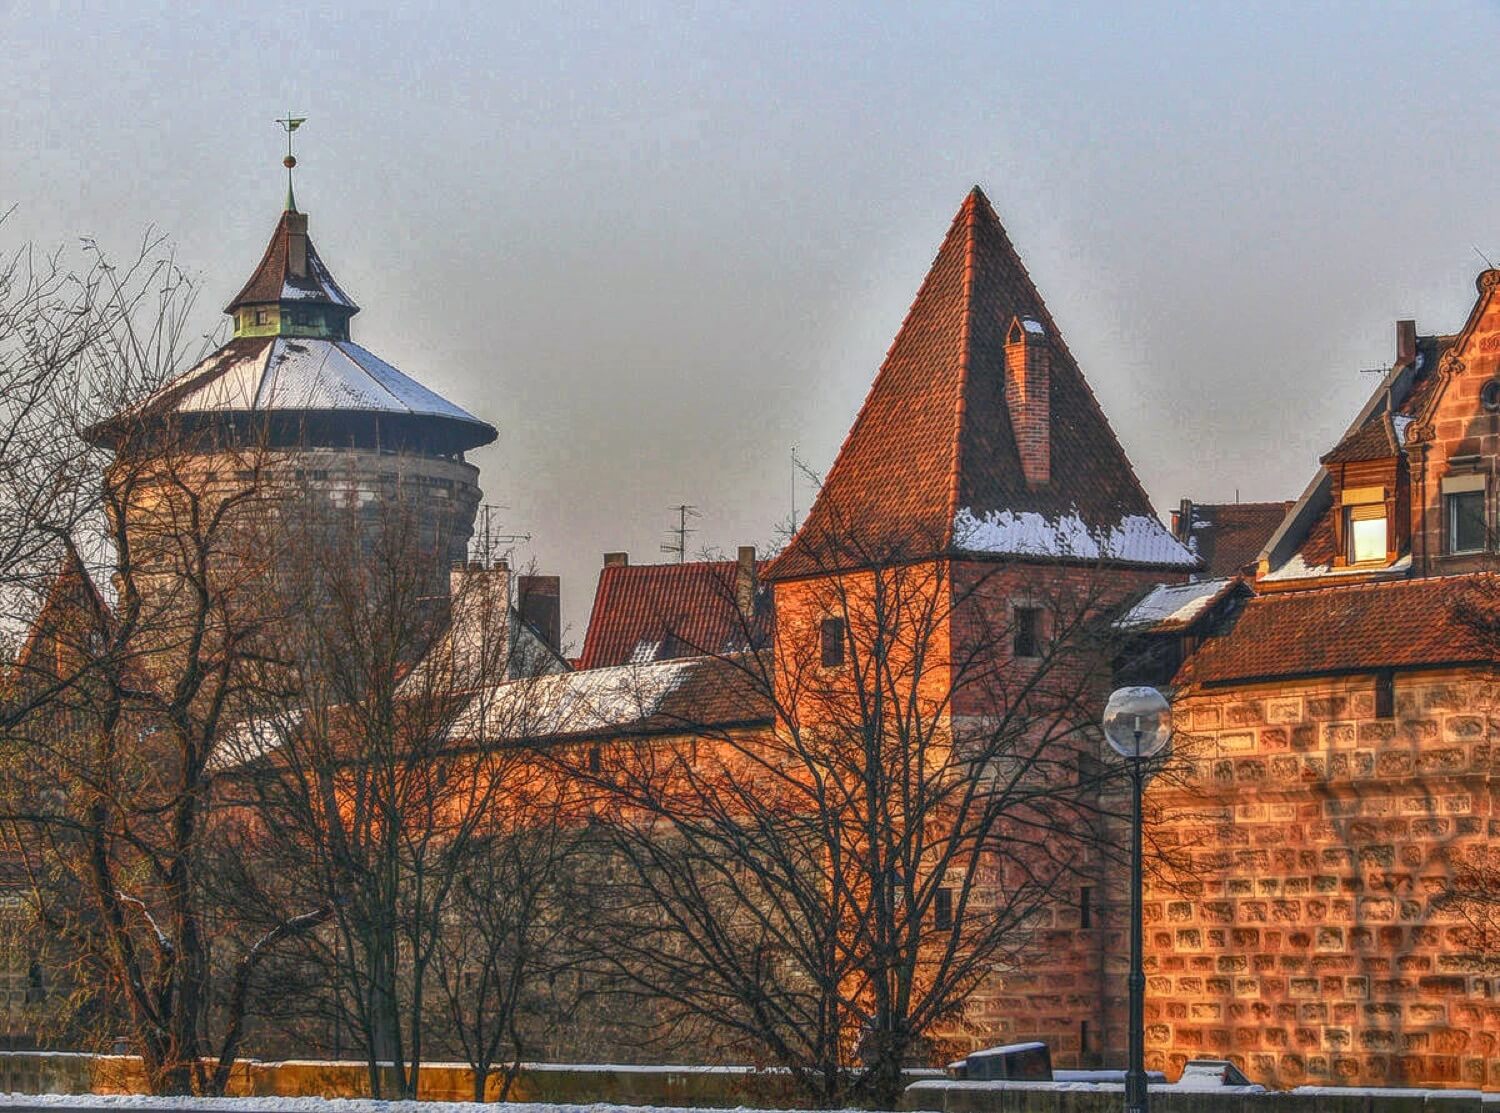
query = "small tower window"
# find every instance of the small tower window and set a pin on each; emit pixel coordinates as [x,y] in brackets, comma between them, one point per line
[1385,694]
[831,634]
[1027,640]
[942,909]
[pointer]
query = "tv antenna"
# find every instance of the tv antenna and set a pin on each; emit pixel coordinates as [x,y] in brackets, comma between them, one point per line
[681,530]
[485,545]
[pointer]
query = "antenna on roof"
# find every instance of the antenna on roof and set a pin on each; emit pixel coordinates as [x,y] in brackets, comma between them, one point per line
[1483,256]
[794,486]
[680,531]
[485,545]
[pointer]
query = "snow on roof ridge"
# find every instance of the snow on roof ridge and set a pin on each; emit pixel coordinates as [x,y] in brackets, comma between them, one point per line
[1134,539]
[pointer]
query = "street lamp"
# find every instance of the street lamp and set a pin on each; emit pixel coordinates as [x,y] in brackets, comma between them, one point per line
[1138,724]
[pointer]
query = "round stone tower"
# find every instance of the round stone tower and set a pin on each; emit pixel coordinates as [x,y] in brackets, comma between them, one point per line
[292,413]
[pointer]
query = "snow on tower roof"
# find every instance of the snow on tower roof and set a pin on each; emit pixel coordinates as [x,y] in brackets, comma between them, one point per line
[933,463]
[298,374]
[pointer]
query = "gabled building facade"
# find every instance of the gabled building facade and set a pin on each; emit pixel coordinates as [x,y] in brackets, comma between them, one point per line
[1335,734]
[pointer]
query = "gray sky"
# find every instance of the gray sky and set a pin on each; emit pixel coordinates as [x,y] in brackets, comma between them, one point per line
[659,246]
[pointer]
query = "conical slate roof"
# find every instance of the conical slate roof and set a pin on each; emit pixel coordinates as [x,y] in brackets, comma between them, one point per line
[932,465]
[276,279]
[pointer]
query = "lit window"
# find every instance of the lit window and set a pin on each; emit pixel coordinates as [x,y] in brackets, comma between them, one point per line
[1028,632]
[1365,526]
[1465,521]
[832,635]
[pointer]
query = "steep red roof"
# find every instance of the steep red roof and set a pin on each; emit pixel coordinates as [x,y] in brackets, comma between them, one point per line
[1228,536]
[652,612]
[274,281]
[935,438]
[1353,628]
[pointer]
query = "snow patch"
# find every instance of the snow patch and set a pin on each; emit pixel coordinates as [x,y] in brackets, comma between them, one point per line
[1172,606]
[304,373]
[584,702]
[1298,569]
[1134,539]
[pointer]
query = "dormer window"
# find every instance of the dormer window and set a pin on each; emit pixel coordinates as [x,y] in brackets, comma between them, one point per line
[1464,513]
[1366,525]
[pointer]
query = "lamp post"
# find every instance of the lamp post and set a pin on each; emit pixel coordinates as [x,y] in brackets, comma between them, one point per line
[1138,725]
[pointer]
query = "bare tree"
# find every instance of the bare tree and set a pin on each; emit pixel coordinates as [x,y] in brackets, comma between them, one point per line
[499,955]
[120,697]
[829,892]
[379,776]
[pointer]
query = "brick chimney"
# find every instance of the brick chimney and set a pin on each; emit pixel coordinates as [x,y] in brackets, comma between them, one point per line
[539,599]
[1406,342]
[616,560]
[1028,396]
[744,582]
[296,244]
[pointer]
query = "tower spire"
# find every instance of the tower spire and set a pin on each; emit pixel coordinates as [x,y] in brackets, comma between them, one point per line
[290,123]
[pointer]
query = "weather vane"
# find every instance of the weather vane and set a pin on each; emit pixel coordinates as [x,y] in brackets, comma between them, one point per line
[290,123]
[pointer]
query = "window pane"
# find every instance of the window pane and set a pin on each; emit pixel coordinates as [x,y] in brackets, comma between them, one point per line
[1466,522]
[1367,540]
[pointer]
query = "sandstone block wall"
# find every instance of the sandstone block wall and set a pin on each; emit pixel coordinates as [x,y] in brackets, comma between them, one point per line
[1301,930]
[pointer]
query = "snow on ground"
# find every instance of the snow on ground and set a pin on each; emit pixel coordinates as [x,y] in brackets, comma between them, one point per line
[146,1104]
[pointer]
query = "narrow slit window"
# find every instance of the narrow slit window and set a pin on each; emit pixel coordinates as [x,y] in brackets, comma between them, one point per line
[942,910]
[1086,906]
[832,636]
[1385,694]
[1028,632]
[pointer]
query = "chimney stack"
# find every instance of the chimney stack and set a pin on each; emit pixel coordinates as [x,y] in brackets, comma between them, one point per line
[1406,342]
[1028,396]
[1182,520]
[539,599]
[616,560]
[296,244]
[744,583]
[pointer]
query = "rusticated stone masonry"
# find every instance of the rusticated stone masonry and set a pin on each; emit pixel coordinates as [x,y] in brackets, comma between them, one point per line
[1297,925]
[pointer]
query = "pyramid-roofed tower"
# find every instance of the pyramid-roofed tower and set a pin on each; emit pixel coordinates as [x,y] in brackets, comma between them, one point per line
[980,436]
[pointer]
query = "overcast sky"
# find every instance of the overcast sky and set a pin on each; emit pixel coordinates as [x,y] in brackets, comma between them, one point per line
[661,246]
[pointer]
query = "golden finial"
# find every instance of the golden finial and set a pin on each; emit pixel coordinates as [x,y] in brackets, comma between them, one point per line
[290,123]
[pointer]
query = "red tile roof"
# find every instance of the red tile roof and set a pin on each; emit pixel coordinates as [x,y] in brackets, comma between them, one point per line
[274,281]
[1354,628]
[934,434]
[1228,536]
[647,612]
[1376,440]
